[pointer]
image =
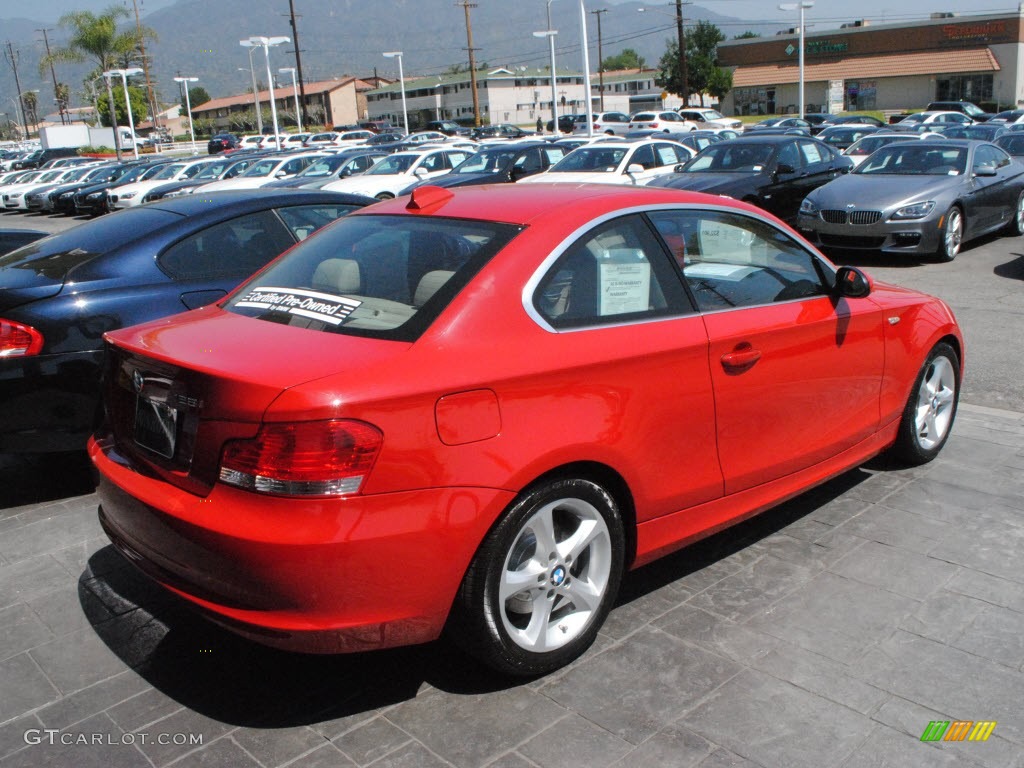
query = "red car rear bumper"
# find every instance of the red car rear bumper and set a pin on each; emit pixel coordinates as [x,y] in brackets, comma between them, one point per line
[331,576]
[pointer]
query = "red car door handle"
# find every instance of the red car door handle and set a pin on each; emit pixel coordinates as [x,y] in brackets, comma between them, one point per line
[741,359]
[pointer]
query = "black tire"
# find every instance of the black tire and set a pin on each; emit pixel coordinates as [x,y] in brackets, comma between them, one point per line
[551,605]
[1015,226]
[385,196]
[931,408]
[952,235]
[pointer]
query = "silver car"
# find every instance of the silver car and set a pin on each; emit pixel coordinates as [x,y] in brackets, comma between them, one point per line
[919,197]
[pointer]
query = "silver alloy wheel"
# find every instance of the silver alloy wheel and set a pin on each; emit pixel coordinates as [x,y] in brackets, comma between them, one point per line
[1018,216]
[952,233]
[936,399]
[555,575]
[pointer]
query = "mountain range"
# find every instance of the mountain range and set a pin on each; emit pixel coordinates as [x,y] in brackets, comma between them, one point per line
[347,37]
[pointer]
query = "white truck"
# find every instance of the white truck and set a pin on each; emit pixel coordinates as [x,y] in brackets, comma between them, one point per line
[81,135]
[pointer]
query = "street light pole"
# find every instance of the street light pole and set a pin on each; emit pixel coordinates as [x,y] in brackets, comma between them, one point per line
[265,43]
[124,74]
[588,98]
[401,80]
[255,93]
[680,43]
[188,107]
[550,35]
[804,4]
[295,91]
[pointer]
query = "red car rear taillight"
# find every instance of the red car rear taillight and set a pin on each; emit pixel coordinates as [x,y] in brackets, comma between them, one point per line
[314,458]
[19,340]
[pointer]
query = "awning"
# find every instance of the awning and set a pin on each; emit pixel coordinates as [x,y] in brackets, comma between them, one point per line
[869,67]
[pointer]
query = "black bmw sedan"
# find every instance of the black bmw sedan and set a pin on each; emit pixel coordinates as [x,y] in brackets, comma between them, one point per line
[59,295]
[774,172]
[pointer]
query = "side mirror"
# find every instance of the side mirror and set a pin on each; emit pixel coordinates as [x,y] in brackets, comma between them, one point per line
[634,169]
[678,168]
[346,173]
[784,168]
[421,172]
[985,169]
[851,283]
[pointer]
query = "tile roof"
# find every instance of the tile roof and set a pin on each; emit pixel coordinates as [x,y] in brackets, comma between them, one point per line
[320,86]
[867,67]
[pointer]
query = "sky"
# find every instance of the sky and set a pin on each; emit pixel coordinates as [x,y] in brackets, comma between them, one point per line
[827,13]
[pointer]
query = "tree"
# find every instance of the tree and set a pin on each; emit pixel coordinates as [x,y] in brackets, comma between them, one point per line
[627,59]
[95,38]
[701,62]
[196,96]
[31,104]
[748,35]
[140,110]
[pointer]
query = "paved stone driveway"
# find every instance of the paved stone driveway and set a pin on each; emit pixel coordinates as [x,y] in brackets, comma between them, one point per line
[828,632]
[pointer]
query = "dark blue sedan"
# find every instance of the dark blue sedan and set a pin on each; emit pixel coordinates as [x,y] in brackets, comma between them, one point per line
[59,295]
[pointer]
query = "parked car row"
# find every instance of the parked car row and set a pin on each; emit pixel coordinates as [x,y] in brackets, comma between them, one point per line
[464,401]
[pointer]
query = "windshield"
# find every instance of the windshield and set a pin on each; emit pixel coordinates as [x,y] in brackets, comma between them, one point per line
[324,167]
[869,144]
[591,159]
[398,273]
[918,118]
[169,172]
[916,158]
[393,165]
[262,168]
[52,258]
[212,171]
[731,158]
[972,111]
[487,162]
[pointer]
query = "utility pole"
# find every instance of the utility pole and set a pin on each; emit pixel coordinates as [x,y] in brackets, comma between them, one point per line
[154,112]
[12,57]
[56,96]
[466,5]
[600,54]
[298,63]
[681,32]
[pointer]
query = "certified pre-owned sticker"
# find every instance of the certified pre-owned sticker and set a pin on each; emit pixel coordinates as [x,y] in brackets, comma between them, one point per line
[318,306]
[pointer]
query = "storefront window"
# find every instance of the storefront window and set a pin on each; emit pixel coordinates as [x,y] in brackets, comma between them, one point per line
[754,101]
[860,94]
[974,88]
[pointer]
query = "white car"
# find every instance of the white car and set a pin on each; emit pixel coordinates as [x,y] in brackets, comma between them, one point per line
[250,142]
[265,170]
[610,123]
[922,120]
[395,172]
[667,121]
[16,198]
[130,195]
[615,163]
[352,138]
[296,140]
[14,194]
[710,119]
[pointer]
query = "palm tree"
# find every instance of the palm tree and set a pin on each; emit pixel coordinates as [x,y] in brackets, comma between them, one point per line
[96,38]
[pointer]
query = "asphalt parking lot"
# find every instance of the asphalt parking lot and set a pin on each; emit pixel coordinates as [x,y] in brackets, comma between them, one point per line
[830,631]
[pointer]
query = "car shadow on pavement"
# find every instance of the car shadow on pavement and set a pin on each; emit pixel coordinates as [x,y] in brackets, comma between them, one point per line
[1013,270]
[36,478]
[738,537]
[233,680]
[230,679]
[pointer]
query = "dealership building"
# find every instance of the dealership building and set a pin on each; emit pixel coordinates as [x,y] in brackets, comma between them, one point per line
[874,66]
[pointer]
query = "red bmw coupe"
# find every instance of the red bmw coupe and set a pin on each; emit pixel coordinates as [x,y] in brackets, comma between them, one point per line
[472,410]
